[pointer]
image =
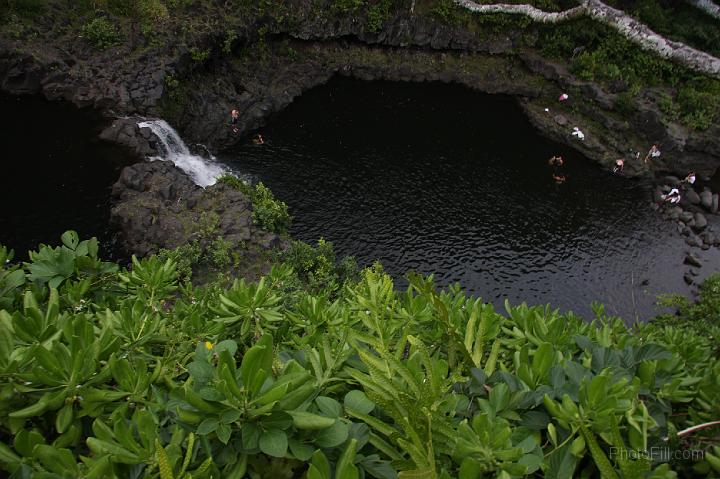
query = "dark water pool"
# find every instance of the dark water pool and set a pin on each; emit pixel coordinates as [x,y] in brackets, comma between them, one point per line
[440,179]
[56,175]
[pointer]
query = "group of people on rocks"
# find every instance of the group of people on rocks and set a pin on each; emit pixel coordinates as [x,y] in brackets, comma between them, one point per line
[556,161]
[674,195]
[654,152]
[234,118]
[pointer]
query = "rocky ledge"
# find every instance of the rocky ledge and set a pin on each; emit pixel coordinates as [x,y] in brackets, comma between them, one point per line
[157,206]
[261,64]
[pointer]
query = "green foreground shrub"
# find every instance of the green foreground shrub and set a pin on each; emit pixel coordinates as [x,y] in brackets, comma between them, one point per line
[117,374]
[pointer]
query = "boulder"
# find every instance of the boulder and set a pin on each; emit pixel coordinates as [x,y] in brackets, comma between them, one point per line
[156,206]
[700,221]
[124,131]
[657,194]
[708,237]
[671,180]
[694,241]
[706,199]
[714,205]
[692,196]
[686,217]
[692,260]
[688,279]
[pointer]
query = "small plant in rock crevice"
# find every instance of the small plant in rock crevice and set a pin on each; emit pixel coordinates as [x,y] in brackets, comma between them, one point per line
[101,33]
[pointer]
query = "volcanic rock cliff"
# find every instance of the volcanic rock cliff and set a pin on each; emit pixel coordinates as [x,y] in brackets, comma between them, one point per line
[259,61]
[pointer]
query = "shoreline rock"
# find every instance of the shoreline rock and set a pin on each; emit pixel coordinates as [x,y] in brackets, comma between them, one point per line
[157,206]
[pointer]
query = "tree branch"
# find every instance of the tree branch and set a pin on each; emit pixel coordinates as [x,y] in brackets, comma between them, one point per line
[527,10]
[627,26]
[706,6]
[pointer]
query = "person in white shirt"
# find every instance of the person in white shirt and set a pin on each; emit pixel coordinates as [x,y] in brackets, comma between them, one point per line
[653,153]
[672,197]
[690,178]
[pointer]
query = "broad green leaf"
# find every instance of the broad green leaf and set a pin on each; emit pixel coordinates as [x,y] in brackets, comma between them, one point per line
[358,401]
[70,239]
[319,466]
[274,443]
[299,450]
[306,420]
[470,469]
[223,433]
[578,447]
[25,441]
[329,406]
[333,436]
[230,416]
[201,372]
[207,426]
[561,464]
[345,468]
[59,461]
[257,364]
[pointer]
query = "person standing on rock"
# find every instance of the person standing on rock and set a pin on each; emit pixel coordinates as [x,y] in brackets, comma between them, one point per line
[653,153]
[690,178]
[619,165]
[672,197]
[234,117]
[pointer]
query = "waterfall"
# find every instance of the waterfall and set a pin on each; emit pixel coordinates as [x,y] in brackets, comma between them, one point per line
[203,171]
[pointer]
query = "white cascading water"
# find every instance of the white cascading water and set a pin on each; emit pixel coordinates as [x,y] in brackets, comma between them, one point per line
[203,171]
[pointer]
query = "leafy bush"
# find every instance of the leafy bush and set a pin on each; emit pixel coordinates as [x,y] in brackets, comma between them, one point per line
[268,212]
[138,377]
[318,268]
[184,257]
[346,6]
[101,33]
[705,311]
[699,103]
[24,8]
[602,55]
[625,103]
[152,10]
[377,14]
[198,55]
[446,10]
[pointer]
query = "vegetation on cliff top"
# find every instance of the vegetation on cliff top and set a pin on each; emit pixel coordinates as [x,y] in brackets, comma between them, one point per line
[594,51]
[108,372]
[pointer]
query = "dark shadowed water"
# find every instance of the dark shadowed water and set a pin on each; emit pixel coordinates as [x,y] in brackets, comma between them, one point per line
[55,175]
[438,178]
[427,177]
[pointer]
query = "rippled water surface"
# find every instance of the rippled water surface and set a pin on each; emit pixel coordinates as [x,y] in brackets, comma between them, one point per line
[440,179]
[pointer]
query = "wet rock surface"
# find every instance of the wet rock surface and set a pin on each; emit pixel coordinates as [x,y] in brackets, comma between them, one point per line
[157,206]
[126,132]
